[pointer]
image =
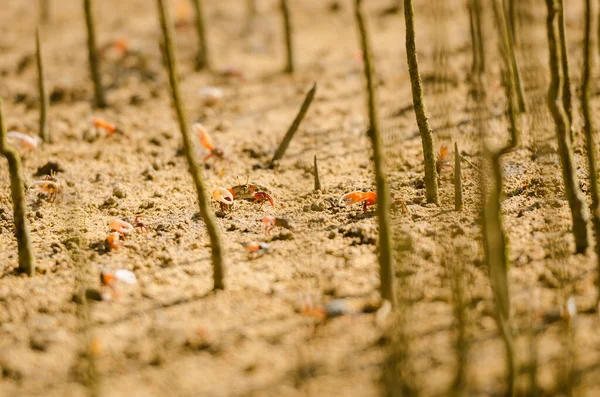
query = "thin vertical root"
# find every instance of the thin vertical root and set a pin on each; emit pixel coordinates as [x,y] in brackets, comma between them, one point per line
[386,260]
[188,148]
[94,61]
[431,179]
[295,124]
[44,100]
[26,256]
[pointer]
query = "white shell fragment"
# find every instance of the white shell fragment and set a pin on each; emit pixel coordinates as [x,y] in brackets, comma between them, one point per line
[125,276]
[210,95]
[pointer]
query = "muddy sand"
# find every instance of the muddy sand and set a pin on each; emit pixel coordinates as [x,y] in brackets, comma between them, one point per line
[169,334]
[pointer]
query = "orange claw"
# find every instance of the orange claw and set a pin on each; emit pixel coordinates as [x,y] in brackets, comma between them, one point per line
[113,240]
[441,162]
[367,198]
[121,227]
[109,127]
[206,142]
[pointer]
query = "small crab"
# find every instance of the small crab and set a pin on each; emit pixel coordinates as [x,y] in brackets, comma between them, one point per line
[23,141]
[329,310]
[256,248]
[207,143]
[367,198]
[49,188]
[110,128]
[251,192]
[121,227]
[270,222]
[111,279]
[441,162]
[137,222]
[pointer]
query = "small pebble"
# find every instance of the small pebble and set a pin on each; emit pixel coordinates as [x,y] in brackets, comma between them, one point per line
[118,192]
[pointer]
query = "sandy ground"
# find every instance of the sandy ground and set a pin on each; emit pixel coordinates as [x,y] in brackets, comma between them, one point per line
[170,334]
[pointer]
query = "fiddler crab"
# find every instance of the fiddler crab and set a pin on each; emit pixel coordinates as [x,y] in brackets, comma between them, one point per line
[110,279]
[49,188]
[120,228]
[110,128]
[271,222]
[256,249]
[366,198]
[206,143]
[251,192]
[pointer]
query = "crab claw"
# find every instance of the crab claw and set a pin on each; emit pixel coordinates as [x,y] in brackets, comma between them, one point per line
[223,195]
[357,197]
[367,198]
[260,197]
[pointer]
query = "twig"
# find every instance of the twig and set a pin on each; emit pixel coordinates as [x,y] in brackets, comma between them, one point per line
[44,11]
[386,260]
[289,45]
[564,57]
[316,174]
[202,59]
[294,127]
[44,101]
[431,178]
[573,191]
[458,193]
[93,55]
[188,148]
[26,256]
[470,163]
[588,127]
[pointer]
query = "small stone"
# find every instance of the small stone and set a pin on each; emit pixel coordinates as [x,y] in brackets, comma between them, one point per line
[318,206]
[284,236]
[331,235]
[119,192]
[149,173]
[39,342]
[109,202]
[336,308]
[457,230]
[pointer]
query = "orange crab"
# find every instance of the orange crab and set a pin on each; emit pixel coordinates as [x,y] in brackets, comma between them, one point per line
[110,279]
[207,143]
[256,249]
[367,198]
[110,128]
